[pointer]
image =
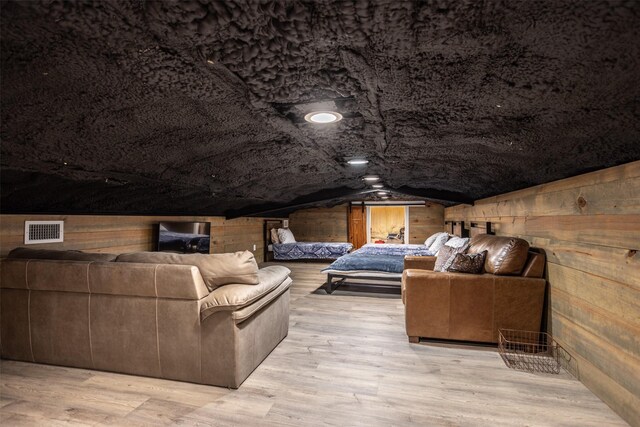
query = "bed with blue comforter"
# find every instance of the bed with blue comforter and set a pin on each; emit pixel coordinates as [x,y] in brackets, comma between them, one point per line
[311,250]
[373,262]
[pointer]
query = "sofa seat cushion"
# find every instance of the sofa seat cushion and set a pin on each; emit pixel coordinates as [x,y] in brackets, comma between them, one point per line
[232,297]
[69,255]
[216,269]
[505,255]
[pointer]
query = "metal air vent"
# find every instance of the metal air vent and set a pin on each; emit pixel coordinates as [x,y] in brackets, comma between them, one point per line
[43,232]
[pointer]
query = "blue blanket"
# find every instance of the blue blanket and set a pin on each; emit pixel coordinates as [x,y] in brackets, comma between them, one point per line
[394,249]
[315,250]
[359,261]
[388,258]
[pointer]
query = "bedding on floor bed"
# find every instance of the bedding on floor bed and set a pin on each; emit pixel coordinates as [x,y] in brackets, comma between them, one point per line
[361,262]
[394,249]
[310,250]
[375,258]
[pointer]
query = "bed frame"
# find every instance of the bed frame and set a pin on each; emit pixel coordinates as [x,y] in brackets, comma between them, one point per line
[346,281]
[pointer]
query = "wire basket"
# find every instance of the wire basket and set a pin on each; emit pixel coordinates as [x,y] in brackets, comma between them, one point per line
[529,351]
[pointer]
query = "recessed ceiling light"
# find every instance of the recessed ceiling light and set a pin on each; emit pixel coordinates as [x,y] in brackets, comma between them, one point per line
[378,185]
[210,61]
[323,117]
[357,162]
[384,198]
[382,193]
[371,178]
[498,105]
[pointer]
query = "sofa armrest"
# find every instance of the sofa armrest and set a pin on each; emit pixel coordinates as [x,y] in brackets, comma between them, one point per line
[419,262]
[233,297]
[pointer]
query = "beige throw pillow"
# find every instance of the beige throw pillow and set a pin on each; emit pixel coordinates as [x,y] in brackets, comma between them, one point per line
[216,269]
[274,236]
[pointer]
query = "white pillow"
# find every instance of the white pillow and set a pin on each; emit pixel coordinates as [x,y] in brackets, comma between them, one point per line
[457,242]
[439,242]
[286,236]
[431,238]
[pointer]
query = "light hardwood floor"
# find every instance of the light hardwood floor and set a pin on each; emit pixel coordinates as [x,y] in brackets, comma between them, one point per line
[346,361]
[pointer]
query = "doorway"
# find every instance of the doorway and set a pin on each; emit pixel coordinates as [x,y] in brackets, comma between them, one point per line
[387,224]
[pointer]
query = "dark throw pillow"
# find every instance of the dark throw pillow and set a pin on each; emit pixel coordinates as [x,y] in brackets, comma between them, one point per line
[446,256]
[468,263]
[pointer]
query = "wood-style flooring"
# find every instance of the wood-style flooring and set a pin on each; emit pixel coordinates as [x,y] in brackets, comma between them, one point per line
[346,362]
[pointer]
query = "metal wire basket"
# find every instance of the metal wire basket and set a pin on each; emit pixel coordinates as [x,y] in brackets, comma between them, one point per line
[528,351]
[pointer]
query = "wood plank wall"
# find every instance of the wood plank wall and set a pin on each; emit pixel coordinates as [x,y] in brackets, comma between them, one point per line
[589,226]
[425,221]
[320,224]
[119,234]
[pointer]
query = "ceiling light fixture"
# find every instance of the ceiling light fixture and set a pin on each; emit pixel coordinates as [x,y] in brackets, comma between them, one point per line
[358,162]
[377,185]
[210,61]
[371,178]
[323,117]
[382,193]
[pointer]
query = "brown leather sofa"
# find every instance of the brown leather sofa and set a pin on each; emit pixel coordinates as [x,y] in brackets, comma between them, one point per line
[472,307]
[156,320]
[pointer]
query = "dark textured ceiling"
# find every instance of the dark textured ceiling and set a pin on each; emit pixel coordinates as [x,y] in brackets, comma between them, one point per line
[196,107]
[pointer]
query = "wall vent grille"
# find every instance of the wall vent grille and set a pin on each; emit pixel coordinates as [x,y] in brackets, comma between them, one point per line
[43,232]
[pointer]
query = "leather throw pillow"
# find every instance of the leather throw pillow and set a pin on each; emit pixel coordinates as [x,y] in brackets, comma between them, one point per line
[468,263]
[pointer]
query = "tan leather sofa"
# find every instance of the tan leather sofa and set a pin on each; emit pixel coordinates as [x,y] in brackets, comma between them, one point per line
[472,307]
[156,320]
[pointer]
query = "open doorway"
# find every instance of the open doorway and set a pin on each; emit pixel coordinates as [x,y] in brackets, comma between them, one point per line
[387,224]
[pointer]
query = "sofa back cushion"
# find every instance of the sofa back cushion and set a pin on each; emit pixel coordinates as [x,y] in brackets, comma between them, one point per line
[505,255]
[69,255]
[216,269]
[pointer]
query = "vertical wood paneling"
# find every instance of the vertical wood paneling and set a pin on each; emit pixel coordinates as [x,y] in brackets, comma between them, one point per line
[118,234]
[386,220]
[589,227]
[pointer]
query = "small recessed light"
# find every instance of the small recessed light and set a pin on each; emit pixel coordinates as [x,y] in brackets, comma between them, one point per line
[323,117]
[358,162]
[384,198]
[378,185]
[210,61]
[65,163]
[498,105]
[382,193]
[371,178]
